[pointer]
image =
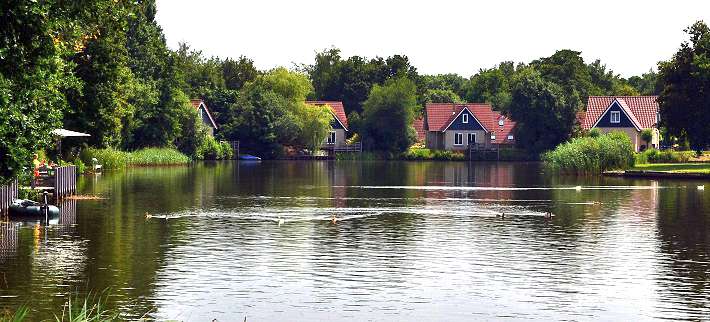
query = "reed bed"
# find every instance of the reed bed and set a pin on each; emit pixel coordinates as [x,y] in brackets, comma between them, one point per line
[592,155]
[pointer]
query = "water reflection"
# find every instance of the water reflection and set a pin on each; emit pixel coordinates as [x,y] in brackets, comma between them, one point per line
[413,241]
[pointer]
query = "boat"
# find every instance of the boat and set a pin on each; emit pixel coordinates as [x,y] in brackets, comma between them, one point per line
[248,157]
[29,208]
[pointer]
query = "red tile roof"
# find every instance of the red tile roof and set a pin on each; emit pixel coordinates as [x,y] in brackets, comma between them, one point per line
[418,125]
[196,104]
[440,115]
[337,109]
[641,109]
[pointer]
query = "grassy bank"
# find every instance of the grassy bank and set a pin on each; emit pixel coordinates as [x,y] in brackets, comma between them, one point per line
[423,154]
[115,159]
[675,167]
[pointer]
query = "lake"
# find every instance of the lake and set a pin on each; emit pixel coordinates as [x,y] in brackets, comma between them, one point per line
[411,241]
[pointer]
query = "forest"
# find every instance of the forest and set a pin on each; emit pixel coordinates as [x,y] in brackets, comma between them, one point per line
[104,68]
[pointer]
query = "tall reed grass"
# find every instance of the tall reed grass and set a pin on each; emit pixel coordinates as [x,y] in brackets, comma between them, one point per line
[592,155]
[114,159]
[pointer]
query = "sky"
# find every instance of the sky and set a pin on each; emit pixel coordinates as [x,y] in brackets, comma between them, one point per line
[439,36]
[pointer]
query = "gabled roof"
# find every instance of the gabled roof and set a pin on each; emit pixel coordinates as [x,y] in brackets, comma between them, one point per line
[440,115]
[337,109]
[418,125]
[196,103]
[641,110]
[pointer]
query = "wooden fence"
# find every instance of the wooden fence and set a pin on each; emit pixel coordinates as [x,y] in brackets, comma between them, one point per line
[355,147]
[64,181]
[8,193]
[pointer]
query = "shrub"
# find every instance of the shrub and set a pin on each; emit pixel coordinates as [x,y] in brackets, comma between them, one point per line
[227,152]
[666,156]
[647,136]
[594,133]
[210,149]
[589,155]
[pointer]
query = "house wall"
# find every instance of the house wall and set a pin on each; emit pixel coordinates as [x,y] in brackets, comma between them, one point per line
[340,137]
[434,140]
[605,120]
[449,139]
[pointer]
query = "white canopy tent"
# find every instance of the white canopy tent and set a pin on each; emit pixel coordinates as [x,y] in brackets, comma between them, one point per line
[63,133]
[67,133]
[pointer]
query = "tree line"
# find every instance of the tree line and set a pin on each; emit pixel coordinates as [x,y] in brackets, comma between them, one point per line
[103,67]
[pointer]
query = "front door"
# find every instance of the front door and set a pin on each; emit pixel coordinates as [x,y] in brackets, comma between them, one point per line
[471,139]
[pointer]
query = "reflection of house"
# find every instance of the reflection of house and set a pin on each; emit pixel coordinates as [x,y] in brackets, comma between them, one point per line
[205,115]
[452,126]
[629,114]
[338,135]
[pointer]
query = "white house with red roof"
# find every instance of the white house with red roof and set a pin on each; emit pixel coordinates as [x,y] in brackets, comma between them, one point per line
[338,134]
[205,115]
[451,126]
[629,114]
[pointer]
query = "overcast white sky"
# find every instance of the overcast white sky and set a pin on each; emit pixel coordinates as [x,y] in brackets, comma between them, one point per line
[439,36]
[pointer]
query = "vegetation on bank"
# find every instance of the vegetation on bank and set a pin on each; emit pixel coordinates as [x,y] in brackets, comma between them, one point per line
[92,308]
[664,156]
[115,159]
[675,167]
[591,155]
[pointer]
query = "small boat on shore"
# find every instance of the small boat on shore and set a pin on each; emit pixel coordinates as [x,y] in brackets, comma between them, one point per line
[29,208]
[248,157]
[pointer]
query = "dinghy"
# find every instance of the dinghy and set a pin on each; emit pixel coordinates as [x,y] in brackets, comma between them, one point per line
[29,208]
[248,157]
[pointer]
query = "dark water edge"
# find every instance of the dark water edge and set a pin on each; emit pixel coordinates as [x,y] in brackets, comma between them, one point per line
[412,241]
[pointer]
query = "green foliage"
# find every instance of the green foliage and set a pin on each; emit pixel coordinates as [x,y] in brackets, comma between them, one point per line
[592,155]
[92,309]
[441,96]
[646,84]
[314,122]
[491,85]
[388,115]
[20,314]
[647,135]
[666,156]
[426,154]
[544,112]
[110,158]
[594,133]
[685,99]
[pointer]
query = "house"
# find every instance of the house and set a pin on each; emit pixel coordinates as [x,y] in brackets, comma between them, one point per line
[339,123]
[205,115]
[629,114]
[451,126]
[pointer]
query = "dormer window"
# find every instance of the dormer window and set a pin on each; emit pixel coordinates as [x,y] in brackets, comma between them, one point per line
[464,118]
[615,117]
[501,122]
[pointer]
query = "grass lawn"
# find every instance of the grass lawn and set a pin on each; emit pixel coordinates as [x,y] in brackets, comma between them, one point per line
[675,167]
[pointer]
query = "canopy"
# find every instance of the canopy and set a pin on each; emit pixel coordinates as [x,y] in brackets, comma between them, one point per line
[66,133]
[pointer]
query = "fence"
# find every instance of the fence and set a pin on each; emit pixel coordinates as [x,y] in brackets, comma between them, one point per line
[8,193]
[355,147]
[64,181]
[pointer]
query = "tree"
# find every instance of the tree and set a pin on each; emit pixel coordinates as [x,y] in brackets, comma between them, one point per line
[388,115]
[646,84]
[544,112]
[238,72]
[441,96]
[491,85]
[647,136]
[314,122]
[685,99]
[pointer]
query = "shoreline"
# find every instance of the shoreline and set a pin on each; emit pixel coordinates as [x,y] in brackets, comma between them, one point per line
[657,174]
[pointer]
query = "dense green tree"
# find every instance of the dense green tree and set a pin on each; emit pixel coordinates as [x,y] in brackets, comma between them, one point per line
[441,96]
[388,115]
[237,72]
[646,84]
[35,39]
[451,82]
[685,98]
[491,85]
[544,111]
[199,75]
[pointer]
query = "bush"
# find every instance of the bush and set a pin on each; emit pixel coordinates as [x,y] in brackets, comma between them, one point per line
[592,155]
[227,152]
[667,156]
[594,133]
[425,154]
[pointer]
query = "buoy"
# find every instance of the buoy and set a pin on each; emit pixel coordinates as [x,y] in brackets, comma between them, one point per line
[701,187]
[578,188]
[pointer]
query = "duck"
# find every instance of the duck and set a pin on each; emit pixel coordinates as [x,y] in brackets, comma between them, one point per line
[578,188]
[501,215]
[549,215]
[148,216]
[701,187]
[334,219]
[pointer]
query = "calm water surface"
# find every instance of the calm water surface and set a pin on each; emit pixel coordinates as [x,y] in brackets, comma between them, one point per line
[412,242]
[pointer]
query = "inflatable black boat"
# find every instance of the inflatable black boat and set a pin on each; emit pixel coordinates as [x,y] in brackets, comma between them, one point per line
[29,208]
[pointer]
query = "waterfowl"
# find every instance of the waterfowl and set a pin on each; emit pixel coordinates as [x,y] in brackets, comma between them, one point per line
[578,188]
[701,187]
[334,219]
[501,215]
[147,215]
[549,215]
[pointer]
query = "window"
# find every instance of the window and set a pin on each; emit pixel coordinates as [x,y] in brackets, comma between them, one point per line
[331,137]
[471,138]
[615,117]
[510,138]
[493,136]
[501,122]
[464,118]
[458,139]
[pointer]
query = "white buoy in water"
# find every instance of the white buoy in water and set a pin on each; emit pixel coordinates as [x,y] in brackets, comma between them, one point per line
[578,188]
[701,187]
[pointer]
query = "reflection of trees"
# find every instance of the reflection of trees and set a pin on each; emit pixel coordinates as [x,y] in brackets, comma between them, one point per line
[683,228]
